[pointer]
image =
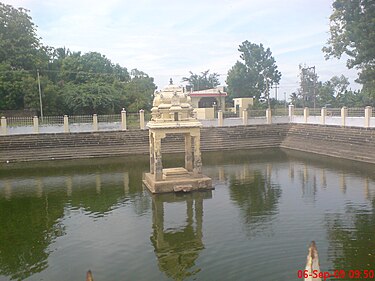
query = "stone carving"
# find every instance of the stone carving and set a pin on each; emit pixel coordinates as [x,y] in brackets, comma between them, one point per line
[172,113]
[170,102]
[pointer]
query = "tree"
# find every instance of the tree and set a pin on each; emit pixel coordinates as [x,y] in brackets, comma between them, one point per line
[139,91]
[57,56]
[308,83]
[355,99]
[88,98]
[71,82]
[21,53]
[340,85]
[333,92]
[255,75]
[19,46]
[352,33]
[91,67]
[325,94]
[240,83]
[295,99]
[52,95]
[203,81]
[91,83]
[12,86]
[317,93]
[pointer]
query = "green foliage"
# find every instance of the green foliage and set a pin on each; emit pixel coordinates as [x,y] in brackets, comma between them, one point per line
[20,52]
[203,81]
[353,33]
[295,99]
[11,90]
[105,97]
[91,67]
[29,225]
[255,75]
[333,92]
[240,82]
[140,92]
[367,78]
[325,95]
[88,98]
[19,46]
[71,82]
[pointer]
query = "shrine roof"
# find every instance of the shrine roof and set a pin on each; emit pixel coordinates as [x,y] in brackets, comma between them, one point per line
[208,93]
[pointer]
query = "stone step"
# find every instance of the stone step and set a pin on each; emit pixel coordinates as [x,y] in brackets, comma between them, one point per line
[353,143]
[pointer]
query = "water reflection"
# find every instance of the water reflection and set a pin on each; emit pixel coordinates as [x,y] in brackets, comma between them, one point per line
[352,239]
[323,178]
[308,181]
[257,197]
[83,185]
[34,203]
[28,226]
[298,198]
[178,248]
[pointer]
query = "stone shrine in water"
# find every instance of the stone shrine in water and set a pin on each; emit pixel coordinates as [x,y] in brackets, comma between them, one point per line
[172,113]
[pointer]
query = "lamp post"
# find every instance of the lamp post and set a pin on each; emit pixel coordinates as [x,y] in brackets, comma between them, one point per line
[314,81]
[40,96]
[267,91]
[285,99]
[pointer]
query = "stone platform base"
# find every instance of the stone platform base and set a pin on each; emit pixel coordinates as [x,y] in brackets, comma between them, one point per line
[177,180]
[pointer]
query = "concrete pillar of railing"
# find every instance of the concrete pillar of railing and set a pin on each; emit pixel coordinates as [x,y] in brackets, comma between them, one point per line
[66,124]
[142,119]
[36,124]
[323,114]
[4,129]
[306,113]
[220,118]
[123,119]
[244,117]
[269,115]
[95,126]
[368,115]
[291,112]
[344,114]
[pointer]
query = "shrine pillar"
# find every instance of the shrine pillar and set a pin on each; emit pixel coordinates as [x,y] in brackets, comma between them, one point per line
[188,153]
[158,164]
[152,159]
[197,170]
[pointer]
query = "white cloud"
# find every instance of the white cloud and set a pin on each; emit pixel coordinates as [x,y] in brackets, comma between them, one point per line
[169,38]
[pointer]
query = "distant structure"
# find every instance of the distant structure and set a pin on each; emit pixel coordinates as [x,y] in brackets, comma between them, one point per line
[241,104]
[172,113]
[207,102]
[208,98]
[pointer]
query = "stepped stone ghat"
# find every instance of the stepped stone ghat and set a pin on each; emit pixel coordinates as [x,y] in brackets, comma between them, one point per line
[343,142]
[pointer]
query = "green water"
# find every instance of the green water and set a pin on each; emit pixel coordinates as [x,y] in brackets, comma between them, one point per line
[59,219]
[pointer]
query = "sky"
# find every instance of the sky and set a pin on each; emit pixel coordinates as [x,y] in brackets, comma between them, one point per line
[167,39]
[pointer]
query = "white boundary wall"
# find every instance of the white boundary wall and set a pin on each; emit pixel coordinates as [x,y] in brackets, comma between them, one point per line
[25,125]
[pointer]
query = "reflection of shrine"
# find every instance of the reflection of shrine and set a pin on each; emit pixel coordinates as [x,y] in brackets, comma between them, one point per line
[178,248]
[172,113]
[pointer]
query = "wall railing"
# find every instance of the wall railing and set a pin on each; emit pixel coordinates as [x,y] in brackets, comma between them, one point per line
[75,123]
[345,117]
